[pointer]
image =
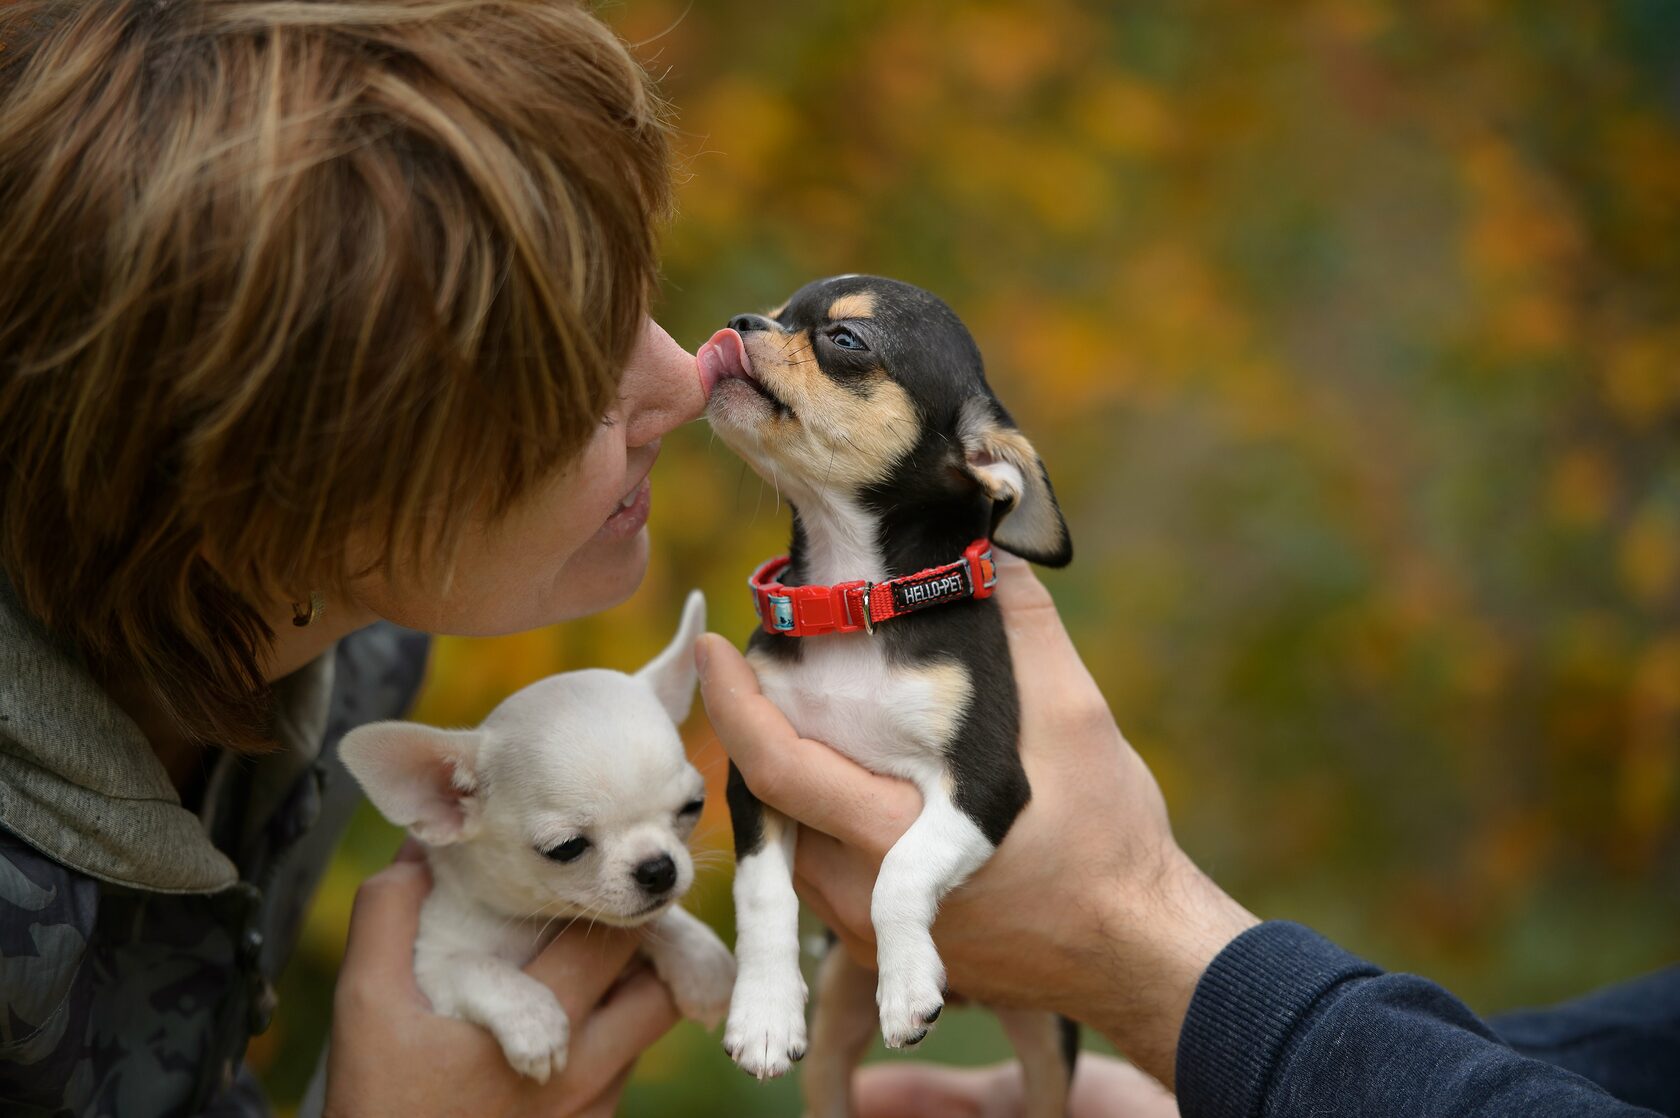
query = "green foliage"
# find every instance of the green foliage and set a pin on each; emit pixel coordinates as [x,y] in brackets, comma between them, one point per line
[1349,334]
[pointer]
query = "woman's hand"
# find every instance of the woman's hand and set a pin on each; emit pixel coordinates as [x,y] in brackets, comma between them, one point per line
[392,1055]
[1103,1087]
[1088,907]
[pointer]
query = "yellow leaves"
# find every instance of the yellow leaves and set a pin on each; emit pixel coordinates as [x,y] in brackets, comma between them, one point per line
[747,122]
[1641,377]
[1173,299]
[1062,356]
[1353,21]
[1509,851]
[1123,115]
[1046,183]
[1522,246]
[1646,154]
[467,677]
[1003,50]
[1480,660]
[1650,775]
[1066,190]
[739,130]
[1580,488]
[1656,681]
[1516,221]
[1648,554]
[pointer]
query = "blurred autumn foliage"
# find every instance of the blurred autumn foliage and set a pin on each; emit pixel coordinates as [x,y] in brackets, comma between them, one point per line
[1350,332]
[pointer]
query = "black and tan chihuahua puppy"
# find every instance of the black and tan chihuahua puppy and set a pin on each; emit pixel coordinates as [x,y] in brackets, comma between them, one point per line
[865,401]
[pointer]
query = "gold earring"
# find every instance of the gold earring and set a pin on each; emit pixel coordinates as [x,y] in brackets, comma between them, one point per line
[305,612]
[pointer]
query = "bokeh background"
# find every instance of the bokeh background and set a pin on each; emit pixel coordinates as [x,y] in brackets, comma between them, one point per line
[1350,333]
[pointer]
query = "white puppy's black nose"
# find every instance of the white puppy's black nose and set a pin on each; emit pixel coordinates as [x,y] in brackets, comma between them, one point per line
[656,875]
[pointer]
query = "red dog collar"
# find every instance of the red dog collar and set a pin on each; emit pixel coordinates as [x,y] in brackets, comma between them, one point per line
[846,607]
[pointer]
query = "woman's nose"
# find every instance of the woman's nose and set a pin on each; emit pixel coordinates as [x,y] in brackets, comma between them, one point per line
[661,387]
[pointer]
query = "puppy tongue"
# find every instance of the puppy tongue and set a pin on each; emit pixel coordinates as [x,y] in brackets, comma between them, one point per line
[723,355]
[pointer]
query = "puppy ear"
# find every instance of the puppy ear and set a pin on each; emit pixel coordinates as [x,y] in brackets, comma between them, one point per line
[418,777]
[671,674]
[1025,516]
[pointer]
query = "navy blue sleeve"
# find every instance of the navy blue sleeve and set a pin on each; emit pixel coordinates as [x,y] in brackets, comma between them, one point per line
[1285,1023]
[1625,1038]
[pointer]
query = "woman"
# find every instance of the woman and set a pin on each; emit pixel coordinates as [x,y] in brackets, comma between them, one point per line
[322,324]
[311,317]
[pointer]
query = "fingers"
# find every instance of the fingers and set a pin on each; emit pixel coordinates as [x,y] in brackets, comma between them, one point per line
[1018,587]
[1061,704]
[1104,1087]
[913,1090]
[1038,642]
[639,1012]
[582,964]
[801,778]
[605,1105]
[383,924]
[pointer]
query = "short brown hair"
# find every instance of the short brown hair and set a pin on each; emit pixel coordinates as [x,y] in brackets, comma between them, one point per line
[274,269]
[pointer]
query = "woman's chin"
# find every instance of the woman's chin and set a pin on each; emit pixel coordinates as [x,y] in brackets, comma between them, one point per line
[600,575]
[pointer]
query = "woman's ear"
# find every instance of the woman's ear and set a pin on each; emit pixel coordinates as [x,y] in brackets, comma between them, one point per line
[418,777]
[672,674]
[1025,517]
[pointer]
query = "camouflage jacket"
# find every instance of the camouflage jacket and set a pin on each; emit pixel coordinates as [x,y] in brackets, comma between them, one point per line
[139,942]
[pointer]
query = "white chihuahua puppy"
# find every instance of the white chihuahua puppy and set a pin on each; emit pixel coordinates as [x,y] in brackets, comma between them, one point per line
[574,800]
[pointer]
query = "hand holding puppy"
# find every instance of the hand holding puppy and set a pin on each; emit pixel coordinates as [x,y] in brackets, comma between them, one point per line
[1088,907]
[573,802]
[391,1054]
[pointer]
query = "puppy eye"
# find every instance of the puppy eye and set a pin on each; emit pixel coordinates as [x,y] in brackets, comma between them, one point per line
[845,339]
[569,851]
[692,807]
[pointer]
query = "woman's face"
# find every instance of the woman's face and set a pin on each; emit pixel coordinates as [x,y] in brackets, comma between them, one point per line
[573,545]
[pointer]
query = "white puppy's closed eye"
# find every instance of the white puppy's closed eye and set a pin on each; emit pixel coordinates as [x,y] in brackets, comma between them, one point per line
[573,800]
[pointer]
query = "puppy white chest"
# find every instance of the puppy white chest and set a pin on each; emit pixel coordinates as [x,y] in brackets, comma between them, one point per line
[888,718]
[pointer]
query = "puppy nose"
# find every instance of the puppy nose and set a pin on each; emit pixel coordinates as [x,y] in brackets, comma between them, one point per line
[742,323]
[656,875]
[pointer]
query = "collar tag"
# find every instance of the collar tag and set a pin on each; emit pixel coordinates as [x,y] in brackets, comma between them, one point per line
[781,613]
[934,588]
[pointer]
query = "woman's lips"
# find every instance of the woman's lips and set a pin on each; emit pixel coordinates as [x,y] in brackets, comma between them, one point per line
[629,517]
[723,355]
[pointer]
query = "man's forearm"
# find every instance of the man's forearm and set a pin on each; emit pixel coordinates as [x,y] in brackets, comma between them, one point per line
[1161,939]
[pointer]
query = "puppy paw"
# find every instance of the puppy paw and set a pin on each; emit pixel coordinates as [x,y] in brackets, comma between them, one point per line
[702,982]
[766,1031]
[911,993]
[533,1035]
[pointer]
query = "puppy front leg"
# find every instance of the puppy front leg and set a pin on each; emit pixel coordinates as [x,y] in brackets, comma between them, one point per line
[939,851]
[524,1015]
[765,1035]
[692,962]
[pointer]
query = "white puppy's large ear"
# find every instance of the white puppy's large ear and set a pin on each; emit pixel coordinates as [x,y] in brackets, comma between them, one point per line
[1025,516]
[418,777]
[671,674]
